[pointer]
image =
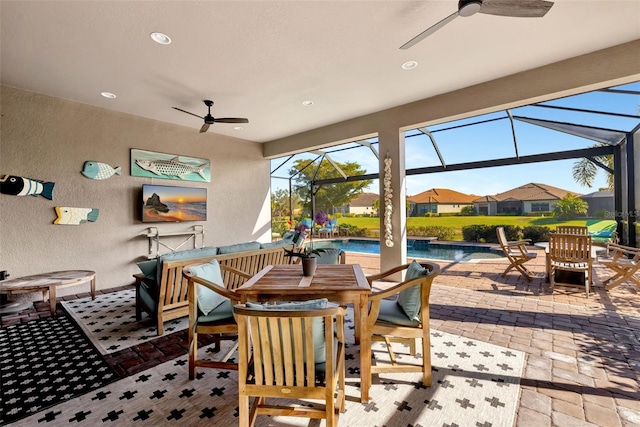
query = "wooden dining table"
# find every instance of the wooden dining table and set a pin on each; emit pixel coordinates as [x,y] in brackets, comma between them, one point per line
[341,283]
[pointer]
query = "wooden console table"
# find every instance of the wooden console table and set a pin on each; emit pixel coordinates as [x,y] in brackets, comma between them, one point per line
[47,284]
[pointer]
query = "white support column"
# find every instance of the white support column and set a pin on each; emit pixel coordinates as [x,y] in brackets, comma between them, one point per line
[392,145]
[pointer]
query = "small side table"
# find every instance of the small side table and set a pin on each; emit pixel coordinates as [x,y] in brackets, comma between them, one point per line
[344,230]
[47,284]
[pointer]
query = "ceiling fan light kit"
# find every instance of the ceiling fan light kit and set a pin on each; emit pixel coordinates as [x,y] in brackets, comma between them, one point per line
[468,8]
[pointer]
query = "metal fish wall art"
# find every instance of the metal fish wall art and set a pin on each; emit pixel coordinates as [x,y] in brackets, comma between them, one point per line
[75,216]
[19,186]
[173,167]
[99,170]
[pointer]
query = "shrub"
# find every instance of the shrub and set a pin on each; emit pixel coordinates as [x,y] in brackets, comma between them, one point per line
[570,206]
[468,211]
[487,233]
[441,232]
[536,233]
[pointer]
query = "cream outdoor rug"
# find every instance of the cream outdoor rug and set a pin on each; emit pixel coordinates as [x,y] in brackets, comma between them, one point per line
[110,321]
[474,384]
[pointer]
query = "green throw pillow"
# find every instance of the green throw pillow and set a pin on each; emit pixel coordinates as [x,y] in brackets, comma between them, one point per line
[208,299]
[409,299]
[328,256]
[148,268]
[319,345]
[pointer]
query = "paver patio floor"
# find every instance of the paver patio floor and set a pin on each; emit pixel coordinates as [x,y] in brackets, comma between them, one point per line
[583,354]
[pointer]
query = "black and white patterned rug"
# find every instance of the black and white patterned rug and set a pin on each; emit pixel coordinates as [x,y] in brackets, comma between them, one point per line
[474,384]
[45,362]
[110,321]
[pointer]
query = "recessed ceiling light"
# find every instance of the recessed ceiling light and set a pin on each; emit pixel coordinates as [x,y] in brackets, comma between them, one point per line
[238,128]
[160,38]
[307,103]
[108,95]
[409,65]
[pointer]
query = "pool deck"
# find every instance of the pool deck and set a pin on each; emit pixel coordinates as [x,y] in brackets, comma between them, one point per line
[582,354]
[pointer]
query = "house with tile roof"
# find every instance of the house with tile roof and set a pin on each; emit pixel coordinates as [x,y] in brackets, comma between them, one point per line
[438,201]
[528,198]
[362,204]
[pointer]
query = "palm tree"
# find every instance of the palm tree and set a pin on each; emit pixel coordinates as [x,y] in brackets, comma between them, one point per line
[585,171]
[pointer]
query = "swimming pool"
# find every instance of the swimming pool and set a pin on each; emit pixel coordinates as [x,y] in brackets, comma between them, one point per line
[417,249]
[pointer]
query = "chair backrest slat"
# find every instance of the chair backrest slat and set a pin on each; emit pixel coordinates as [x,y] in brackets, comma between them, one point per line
[572,229]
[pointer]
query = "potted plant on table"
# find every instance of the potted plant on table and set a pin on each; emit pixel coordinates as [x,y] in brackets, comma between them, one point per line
[306,254]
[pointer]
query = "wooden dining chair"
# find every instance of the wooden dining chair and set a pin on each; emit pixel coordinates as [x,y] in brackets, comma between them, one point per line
[403,320]
[570,252]
[624,261]
[211,310]
[290,355]
[516,253]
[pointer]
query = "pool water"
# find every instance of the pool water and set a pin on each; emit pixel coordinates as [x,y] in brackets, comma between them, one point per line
[417,249]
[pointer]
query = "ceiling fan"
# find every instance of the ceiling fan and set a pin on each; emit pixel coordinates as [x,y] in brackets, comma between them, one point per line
[514,8]
[209,119]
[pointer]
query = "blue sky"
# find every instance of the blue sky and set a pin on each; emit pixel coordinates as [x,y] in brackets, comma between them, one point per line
[494,140]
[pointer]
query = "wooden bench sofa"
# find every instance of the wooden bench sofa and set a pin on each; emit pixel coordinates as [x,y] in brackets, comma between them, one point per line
[165,297]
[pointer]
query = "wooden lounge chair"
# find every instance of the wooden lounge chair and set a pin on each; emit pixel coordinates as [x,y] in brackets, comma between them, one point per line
[624,261]
[570,252]
[287,356]
[517,254]
[402,320]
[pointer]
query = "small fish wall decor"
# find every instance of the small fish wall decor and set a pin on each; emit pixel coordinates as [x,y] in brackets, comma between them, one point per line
[75,216]
[98,170]
[19,186]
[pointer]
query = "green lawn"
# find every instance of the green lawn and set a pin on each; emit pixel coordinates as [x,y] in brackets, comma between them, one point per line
[460,221]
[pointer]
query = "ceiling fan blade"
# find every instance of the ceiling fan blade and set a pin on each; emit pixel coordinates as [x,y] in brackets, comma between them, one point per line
[516,8]
[184,111]
[429,31]
[204,127]
[231,120]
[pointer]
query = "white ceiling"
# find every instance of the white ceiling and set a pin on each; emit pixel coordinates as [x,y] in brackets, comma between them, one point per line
[261,59]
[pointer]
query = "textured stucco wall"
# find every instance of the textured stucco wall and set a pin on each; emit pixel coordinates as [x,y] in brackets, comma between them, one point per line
[49,139]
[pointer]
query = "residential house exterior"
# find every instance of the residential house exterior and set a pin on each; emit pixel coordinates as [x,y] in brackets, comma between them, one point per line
[528,198]
[600,201]
[363,204]
[438,201]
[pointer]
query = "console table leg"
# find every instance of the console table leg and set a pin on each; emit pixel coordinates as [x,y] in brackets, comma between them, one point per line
[52,300]
[93,288]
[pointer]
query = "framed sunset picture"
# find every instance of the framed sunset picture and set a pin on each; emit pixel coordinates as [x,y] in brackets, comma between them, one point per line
[163,203]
